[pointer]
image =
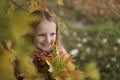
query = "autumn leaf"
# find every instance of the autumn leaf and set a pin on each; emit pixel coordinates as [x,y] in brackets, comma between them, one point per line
[37,5]
[60,2]
[92,71]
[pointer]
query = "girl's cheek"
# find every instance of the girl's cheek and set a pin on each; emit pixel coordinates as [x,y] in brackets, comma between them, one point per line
[40,39]
[54,39]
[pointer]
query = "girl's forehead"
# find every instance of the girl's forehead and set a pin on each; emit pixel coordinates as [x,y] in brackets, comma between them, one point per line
[46,25]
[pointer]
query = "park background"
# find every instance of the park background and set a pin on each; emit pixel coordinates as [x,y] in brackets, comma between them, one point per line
[89,28]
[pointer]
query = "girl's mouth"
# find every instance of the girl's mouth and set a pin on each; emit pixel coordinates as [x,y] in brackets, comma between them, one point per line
[45,44]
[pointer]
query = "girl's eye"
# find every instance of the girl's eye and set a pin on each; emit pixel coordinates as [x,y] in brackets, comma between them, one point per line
[53,34]
[41,34]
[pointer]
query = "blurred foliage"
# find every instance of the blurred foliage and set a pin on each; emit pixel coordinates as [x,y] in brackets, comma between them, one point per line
[98,45]
[15,37]
[98,49]
[94,11]
[87,11]
[4,21]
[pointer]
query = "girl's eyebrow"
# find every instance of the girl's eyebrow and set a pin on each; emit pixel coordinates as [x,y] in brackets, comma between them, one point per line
[40,34]
[54,32]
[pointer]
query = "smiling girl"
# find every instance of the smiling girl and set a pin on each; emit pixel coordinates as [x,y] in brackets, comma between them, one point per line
[46,32]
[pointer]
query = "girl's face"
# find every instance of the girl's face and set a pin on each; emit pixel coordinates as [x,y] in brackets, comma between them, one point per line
[45,33]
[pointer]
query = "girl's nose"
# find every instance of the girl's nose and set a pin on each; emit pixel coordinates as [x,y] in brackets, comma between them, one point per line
[48,39]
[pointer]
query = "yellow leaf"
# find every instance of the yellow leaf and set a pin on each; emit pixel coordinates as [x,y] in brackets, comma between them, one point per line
[27,68]
[42,5]
[37,5]
[19,25]
[12,6]
[22,1]
[66,58]
[6,66]
[9,45]
[92,71]
[60,2]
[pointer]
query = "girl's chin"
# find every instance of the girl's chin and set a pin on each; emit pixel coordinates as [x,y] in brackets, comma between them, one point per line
[47,49]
